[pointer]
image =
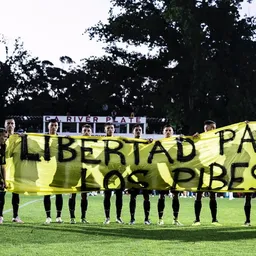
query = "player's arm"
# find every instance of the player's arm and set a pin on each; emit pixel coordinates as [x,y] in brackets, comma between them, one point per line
[3,175]
[196,135]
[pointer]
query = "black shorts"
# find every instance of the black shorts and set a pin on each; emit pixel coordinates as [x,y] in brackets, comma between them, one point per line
[138,191]
[163,192]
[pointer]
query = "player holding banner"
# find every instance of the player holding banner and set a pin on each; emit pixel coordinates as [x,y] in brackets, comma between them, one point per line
[53,128]
[10,127]
[86,131]
[137,130]
[168,132]
[110,129]
[208,126]
[3,186]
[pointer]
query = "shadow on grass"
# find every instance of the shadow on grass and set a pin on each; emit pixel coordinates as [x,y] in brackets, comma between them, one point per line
[92,232]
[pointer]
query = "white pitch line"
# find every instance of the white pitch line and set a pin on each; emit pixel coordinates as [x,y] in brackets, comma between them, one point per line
[23,205]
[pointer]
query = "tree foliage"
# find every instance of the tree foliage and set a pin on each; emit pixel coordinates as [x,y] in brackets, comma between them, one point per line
[186,60]
[199,59]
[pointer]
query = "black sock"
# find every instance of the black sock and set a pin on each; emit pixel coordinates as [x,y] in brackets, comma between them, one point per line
[247,207]
[132,205]
[15,204]
[247,211]
[198,207]
[72,205]
[146,205]
[175,207]
[213,208]
[160,207]
[119,203]
[59,204]
[84,205]
[2,202]
[106,202]
[47,206]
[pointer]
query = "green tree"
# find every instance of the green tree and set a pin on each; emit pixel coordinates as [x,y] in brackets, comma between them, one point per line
[198,60]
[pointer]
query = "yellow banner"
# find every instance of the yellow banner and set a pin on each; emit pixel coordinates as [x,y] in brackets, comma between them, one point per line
[219,160]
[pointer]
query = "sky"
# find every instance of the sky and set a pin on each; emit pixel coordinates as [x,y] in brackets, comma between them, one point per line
[54,28]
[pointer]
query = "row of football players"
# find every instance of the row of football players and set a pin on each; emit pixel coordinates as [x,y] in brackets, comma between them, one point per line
[110,130]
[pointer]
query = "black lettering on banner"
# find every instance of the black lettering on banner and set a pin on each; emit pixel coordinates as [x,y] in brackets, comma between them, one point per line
[108,151]
[66,147]
[201,176]
[161,150]
[247,129]
[252,171]
[24,154]
[180,153]
[235,179]
[219,177]
[109,175]
[90,150]
[83,179]
[84,185]
[177,173]
[47,152]
[222,140]
[253,175]
[142,183]
[136,150]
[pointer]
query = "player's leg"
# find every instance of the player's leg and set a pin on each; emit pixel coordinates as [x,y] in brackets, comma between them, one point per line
[84,205]
[72,208]
[247,209]
[213,208]
[119,205]
[107,204]
[197,208]
[132,204]
[15,207]
[161,206]
[146,205]
[2,202]
[176,208]
[59,206]
[47,208]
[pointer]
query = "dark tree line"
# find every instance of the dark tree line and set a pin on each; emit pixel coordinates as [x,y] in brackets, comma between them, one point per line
[184,60]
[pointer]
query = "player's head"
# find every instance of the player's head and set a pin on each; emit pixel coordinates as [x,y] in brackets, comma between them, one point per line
[168,131]
[109,129]
[209,125]
[137,131]
[3,135]
[9,125]
[86,130]
[53,126]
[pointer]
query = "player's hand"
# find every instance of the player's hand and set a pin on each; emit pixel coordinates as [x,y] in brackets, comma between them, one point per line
[196,135]
[150,140]
[3,185]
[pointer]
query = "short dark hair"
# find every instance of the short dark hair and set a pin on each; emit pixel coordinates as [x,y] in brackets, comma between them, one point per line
[136,126]
[53,120]
[207,122]
[108,124]
[87,126]
[167,125]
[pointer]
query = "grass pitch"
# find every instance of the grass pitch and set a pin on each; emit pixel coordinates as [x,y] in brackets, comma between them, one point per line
[35,238]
